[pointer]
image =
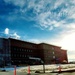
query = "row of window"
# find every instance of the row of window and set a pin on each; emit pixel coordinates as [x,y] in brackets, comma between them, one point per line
[52,48]
[50,56]
[22,50]
[49,52]
[20,55]
[4,54]
[20,61]
[53,52]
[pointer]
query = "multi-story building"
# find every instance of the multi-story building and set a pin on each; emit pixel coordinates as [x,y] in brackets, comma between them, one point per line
[15,51]
[52,54]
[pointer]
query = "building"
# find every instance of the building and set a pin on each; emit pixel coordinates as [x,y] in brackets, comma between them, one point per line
[52,54]
[13,51]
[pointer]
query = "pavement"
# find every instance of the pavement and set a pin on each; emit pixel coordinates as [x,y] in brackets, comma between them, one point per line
[22,73]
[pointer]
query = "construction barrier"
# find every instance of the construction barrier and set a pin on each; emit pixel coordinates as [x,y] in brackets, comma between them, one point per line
[28,71]
[59,69]
[14,70]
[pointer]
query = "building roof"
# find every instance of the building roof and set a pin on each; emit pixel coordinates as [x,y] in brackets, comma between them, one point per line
[50,45]
[32,42]
[22,41]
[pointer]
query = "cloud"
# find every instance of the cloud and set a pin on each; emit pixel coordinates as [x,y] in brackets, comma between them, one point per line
[15,35]
[16,2]
[48,14]
[6,31]
[11,34]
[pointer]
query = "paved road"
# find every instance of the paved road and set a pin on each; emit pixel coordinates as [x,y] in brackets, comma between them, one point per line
[20,73]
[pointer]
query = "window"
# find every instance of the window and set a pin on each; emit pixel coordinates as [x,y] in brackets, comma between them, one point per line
[30,50]
[14,48]
[25,55]
[54,57]
[22,49]
[52,48]
[22,55]
[53,53]
[25,50]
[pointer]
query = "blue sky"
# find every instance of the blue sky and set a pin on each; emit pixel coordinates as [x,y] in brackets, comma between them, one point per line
[49,21]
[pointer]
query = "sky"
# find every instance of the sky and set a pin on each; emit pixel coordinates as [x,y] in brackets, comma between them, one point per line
[48,21]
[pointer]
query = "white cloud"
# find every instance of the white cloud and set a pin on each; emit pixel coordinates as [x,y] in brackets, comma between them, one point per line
[16,2]
[43,19]
[58,3]
[6,31]
[71,26]
[48,14]
[15,35]
[51,28]
[11,33]
[51,20]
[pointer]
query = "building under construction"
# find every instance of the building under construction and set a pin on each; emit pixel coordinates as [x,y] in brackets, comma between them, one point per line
[16,52]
